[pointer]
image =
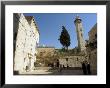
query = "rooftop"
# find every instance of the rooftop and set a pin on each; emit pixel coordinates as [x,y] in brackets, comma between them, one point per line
[29,18]
[93,28]
[77,18]
[45,47]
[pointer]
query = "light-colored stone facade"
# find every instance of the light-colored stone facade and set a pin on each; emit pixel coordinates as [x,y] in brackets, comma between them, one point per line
[93,60]
[45,51]
[44,56]
[27,36]
[79,31]
[72,61]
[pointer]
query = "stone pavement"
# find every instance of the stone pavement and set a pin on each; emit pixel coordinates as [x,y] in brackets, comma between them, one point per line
[55,72]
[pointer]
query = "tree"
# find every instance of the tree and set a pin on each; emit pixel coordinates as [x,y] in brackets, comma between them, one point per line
[64,38]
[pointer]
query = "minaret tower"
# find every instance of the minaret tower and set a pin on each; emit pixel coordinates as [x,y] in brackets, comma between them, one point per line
[79,31]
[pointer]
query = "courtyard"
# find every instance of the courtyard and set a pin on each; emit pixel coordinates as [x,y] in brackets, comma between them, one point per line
[64,71]
[68,52]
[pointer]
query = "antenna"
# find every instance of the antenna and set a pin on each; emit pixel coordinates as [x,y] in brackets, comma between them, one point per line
[77,16]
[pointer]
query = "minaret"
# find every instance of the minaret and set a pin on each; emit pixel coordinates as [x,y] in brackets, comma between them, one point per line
[79,31]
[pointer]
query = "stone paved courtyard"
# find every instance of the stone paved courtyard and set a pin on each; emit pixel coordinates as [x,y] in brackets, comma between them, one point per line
[55,72]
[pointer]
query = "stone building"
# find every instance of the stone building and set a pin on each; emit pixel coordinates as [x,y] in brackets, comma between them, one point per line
[26,37]
[46,50]
[79,31]
[92,48]
[93,34]
[72,61]
[75,59]
[45,55]
[65,58]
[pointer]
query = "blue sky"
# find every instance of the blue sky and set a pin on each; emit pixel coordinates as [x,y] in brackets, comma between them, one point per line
[50,26]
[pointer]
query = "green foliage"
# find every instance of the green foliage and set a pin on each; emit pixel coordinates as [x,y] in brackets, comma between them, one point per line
[64,38]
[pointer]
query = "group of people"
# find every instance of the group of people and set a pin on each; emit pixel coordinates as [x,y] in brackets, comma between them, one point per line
[86,68]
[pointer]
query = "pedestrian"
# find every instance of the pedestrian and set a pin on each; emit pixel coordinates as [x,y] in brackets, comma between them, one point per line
[57,63]
[88,69]
[84,68]
[27,68]
[63,66]
[60,68]
[54,64]
[67,66]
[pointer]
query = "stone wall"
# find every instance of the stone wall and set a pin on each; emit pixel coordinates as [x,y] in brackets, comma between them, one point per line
[92,50]
[93,60]
[93,33]
[72,61]
[45,51]
[25,47]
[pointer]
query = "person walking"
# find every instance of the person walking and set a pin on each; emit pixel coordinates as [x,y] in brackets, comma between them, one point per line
[57,63]
[88,68]
[60,67]
[84,68]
